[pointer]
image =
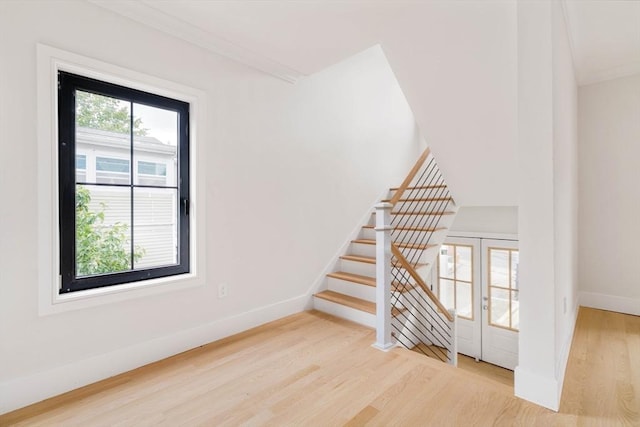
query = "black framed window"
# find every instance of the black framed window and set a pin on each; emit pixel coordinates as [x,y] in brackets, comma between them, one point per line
[123,184]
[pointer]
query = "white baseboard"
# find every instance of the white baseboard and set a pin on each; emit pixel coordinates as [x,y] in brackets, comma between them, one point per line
[19,392]
[561,366]
[619,304]
[536,388]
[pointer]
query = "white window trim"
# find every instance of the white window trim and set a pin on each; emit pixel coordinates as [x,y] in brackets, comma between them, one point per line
[49,61]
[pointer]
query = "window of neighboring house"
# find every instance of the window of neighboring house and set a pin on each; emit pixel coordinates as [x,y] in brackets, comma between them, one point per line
[152,173]
[115,229]
[81,167]
[112,171]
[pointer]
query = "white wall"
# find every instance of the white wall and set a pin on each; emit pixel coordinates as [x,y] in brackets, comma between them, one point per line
[548,200]
[609,129]
[291,170]
[565,191]
[486,219]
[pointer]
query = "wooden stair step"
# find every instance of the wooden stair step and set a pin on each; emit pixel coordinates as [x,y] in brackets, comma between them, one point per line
[434,199]
[358,258]
[424,213]
[397,287]
[400,244]
[353,302]
[401,228]
[372,260]
[355,278]
[421,187]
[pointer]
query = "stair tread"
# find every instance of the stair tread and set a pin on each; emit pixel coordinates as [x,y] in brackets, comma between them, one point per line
[353,302]
[410,228]
[425,213]
[428,199]
[372,260]
[356,278]
[399,244]
[359,258]
[395,287]
[421,187]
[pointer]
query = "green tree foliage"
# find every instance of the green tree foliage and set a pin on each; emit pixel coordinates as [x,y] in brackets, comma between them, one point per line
[105,113]
[100,248]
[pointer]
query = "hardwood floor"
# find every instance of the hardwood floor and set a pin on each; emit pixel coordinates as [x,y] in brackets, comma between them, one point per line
[312,369]
[486,370]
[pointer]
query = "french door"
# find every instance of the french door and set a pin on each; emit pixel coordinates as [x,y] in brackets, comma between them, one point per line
[479,278]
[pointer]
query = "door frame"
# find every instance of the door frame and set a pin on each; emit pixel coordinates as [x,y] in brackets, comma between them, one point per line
[480,279]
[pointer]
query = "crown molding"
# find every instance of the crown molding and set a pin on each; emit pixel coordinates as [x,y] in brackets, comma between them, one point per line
[588,77]
[144,12]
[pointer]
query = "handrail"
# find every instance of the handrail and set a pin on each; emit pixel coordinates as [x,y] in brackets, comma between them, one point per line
[409,178]
[414,274]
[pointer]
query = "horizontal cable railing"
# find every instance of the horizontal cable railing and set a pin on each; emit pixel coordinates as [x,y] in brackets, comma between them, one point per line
[418,208]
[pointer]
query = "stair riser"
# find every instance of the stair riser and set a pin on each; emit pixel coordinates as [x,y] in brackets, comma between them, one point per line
[418,255]
[370,251]
[366,269]
[421,193]
[414,206]
[355,267]
[426,221]
[365,292]
[345,312]
[362,249]
[407,236]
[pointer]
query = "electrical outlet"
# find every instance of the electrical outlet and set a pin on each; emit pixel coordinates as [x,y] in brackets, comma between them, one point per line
[223,290]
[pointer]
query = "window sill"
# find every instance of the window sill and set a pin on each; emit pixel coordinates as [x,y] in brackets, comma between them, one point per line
[59,303]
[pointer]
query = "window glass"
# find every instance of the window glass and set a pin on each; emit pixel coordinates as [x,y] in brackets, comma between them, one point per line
[504,306]
[81,168]
[455,279]
[116,228]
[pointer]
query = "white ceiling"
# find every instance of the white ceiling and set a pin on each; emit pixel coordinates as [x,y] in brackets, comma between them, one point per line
[294,38]
[456,61]
[605,37]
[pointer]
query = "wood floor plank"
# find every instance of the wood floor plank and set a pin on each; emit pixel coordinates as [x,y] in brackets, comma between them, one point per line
[313,369]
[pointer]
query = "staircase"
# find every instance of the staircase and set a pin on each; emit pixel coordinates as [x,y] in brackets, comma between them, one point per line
[422,212]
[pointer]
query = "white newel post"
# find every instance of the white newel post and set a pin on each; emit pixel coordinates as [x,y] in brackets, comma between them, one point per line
[454,338]
[383,276]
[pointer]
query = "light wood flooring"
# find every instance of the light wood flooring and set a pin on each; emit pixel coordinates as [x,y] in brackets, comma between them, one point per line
[311,369]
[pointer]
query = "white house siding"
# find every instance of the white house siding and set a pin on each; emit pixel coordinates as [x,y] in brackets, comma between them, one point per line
[154,222]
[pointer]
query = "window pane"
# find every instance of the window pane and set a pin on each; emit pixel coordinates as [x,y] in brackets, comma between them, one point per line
[81,161]
[151,168]
[499,260]
[151,173]
[515,259]
[463,259]
[155,145]
[155,227]
[515,310]
[446,261]
[102,113]
[102,126]
[103,230]
[464,306]
[499,307]
[446,293]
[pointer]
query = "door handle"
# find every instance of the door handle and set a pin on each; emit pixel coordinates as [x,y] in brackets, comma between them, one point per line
[484,307]
[485,298]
